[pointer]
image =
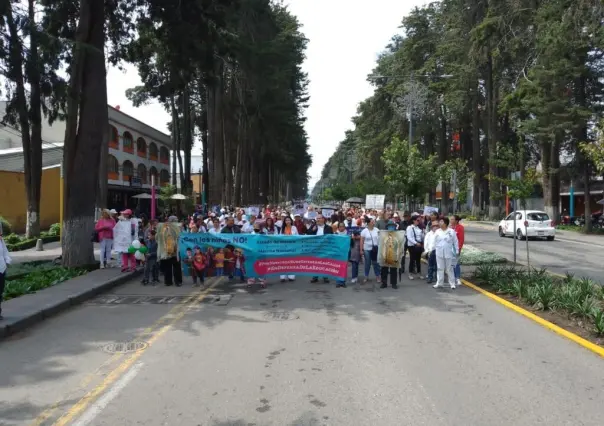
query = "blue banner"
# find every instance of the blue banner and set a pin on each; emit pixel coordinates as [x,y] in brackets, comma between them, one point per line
[254,255]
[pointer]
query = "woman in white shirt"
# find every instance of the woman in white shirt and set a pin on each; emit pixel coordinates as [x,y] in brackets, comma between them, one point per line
[415,242]
[447,248]
[5,260]
[369,246]
[288,228]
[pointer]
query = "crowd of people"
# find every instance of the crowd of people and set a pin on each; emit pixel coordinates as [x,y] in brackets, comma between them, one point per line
[436,238]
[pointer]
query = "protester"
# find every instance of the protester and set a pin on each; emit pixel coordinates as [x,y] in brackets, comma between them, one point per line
[5,260]
[168,253]
[124,233]
[355,255]
[369,245]
[151,266]
[104,229]
[460,232]
[341,282]
[230,227]
[319,227]
[415,242]
[288,229]
[447,247]
[430,251]
[391,271]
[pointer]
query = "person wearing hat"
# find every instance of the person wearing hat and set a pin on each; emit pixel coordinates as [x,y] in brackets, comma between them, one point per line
[104,230]
[5,260]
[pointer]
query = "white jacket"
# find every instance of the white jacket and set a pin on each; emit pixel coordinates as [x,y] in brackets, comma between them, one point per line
[5,259]
[429,241]
[446,244]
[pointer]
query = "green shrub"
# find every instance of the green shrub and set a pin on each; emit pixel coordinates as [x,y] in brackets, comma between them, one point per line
[38,280]
[597,316]
[54,230]
[6,226]
[12,239]
[30,243]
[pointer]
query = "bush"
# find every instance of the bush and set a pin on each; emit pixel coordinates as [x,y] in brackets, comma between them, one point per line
[38,280]
[6,226]
[573,297]
[30,243]
[54,230]
[12,239]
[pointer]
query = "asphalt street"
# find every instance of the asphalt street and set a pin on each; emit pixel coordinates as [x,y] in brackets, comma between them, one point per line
[581,258]
[297,354]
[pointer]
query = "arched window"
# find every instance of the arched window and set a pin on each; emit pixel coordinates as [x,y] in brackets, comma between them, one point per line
[164,155]
[153,172]
[164,177]
[114,137]
[113,168]
[141,147]
[128,142]
[153,151]
[127,170]
[141,172]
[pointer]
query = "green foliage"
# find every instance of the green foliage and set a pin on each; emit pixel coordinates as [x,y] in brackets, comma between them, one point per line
[407,172]
[27,243]
[471,255]
[6,226]
[54,230]
[576,298]
[39,280]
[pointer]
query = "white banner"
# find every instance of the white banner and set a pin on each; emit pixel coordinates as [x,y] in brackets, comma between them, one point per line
[375,201]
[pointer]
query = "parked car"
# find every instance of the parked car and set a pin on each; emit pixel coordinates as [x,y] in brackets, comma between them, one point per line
[529,223]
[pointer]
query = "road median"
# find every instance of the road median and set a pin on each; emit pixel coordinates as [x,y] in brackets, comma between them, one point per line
[570,307]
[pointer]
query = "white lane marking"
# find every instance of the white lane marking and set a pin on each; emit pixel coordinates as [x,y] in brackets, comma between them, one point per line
[109,396]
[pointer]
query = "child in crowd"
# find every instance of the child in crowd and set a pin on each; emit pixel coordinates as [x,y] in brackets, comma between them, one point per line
[210,263]
[187,262]
[199,266]
[239,265]
[229,262]
[151,266]
[219,262]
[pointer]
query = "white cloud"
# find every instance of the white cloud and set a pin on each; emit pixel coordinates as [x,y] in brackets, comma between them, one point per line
[345,37]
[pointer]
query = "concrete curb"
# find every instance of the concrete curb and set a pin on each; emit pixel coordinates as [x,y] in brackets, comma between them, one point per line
[598,350]
[10,326]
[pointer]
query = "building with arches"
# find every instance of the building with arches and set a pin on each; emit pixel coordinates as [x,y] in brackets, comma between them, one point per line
[138,155]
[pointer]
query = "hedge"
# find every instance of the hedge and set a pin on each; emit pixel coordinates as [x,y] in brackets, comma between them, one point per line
[31,243]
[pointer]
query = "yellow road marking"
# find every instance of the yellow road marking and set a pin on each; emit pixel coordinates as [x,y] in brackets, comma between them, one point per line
[46,414]
[599,350]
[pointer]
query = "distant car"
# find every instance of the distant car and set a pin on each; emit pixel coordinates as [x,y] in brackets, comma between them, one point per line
[529,223]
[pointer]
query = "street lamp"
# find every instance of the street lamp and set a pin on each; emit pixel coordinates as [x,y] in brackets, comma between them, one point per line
[412,102]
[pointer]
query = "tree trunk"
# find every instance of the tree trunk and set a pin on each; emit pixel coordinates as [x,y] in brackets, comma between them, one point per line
[218,138]
[204,153]
[546,168]
[177,138]
[210,112]
[476,156]
[32,142]
[187,138]
[494,185]
[101,196]
[84,132]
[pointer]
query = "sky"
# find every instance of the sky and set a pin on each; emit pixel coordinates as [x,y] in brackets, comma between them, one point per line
[345,38]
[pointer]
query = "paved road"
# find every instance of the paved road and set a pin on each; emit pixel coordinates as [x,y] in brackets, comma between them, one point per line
[584,259]
[298,354]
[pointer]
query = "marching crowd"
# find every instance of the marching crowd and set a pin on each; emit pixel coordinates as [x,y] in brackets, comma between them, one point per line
[436,238]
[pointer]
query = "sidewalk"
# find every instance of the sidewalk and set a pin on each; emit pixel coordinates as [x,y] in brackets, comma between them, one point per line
[596,240]
[51,252]
[25,311]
